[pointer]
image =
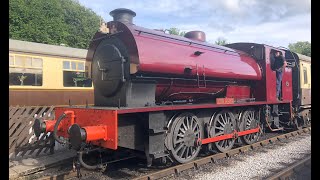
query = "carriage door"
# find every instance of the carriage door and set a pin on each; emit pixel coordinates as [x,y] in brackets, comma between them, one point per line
[305,82]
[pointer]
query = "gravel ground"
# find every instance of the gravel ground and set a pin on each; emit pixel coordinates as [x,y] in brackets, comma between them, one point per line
[245,166]
[256,164]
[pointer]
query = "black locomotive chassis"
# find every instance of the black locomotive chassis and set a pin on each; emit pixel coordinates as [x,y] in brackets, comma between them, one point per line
[147,131]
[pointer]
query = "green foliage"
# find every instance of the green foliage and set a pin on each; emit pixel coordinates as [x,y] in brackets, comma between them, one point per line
[176,31]
[221,41]
[302,47]
[52,22]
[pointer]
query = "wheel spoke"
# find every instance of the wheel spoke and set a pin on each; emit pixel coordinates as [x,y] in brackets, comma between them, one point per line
[179,147]
[182,130]
[227,143]
[225,117]
[252,115]
[221,123]
[184,126]
[193,149]
[221,128]
[195,126]
[187,152]
[191,122]
[182,152]
[179,141]
[224,122]
[187,121]
[224,143]
[219,133]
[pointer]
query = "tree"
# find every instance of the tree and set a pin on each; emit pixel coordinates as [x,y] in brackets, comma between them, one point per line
[221,41]
[176,31]
[52,22]
[302,47]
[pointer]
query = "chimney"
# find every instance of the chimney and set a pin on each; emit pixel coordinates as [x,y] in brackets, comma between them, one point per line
[123,15]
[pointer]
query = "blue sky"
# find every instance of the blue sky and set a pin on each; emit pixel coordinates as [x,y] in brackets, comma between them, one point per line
[273,22]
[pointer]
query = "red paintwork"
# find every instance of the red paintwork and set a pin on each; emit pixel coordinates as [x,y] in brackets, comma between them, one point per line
[50,125]
[94,133]
[169,57]
[218,138]
[159,54]
[72,116]
[238,92]
[229,136]
[242,133]
[99,124]
[287,84]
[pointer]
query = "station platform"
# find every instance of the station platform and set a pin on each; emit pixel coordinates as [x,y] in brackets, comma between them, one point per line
[28,166]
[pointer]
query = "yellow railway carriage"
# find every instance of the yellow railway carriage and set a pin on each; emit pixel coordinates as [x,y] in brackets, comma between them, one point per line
[305,79]
[41,74]
[301,85]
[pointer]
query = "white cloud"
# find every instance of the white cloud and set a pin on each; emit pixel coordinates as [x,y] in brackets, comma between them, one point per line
[264,21]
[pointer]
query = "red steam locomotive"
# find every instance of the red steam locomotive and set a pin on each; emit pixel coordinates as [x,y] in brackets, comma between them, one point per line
[169,96]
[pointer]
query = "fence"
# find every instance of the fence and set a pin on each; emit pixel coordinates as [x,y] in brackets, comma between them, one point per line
[22,141]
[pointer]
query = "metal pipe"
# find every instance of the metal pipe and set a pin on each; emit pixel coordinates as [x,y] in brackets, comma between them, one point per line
[55,129]
[80,154]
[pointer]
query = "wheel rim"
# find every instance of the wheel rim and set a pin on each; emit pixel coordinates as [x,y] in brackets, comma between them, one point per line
[249,121]
[223,123]
[186,130]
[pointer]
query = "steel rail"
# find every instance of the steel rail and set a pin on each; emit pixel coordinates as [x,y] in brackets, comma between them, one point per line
[291,170]
[194,164]
[213,158]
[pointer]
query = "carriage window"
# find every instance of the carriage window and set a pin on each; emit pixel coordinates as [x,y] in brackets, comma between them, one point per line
[305,77]
[11,60]
[73,65]
[66,64]
[81,66]
[25,71]
[75,75]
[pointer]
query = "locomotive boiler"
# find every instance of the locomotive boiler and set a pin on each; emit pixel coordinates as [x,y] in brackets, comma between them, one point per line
[169,96]
[135,66]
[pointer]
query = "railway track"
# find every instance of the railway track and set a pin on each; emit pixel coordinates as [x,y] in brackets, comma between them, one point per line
[176,170]
[293,170]
[213,158]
